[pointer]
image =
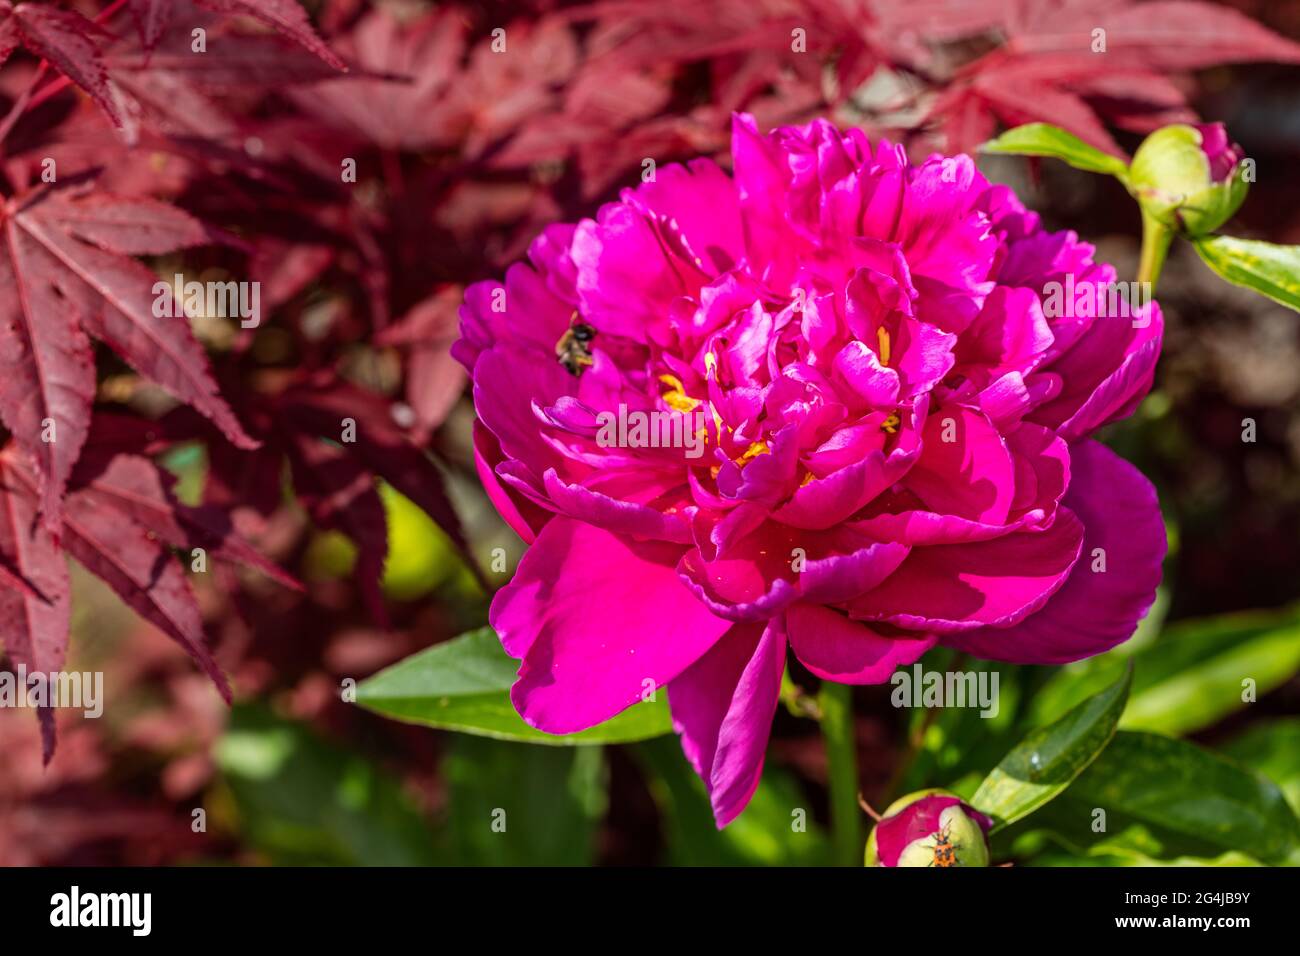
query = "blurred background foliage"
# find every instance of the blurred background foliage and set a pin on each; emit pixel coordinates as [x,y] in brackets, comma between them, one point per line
[296,774]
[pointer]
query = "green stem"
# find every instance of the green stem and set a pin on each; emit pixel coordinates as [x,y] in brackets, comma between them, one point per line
[836,701]
[1156,237]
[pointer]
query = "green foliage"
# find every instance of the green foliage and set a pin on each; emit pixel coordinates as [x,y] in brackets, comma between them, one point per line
[1170,801]
[956,745]
[1273,749]
[515,805]
[1074,742]
[1189,678]
[1272,271]
[1043,764]
[1169,177]
[776,829]
[304,802]
[1044,139]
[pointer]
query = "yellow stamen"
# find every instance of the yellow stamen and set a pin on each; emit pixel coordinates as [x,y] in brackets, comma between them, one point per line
[882,339]
[890,424]
[676,396]
[753,451]
[717,419]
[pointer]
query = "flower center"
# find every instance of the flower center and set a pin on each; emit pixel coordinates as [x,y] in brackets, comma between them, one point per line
[676,396]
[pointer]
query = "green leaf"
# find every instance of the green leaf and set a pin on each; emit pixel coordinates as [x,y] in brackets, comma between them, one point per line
[1273,749]
[775,829]
[1046,761]
[511,805]
[304,802]
[464,684]
[1124,842]
[1272,271]
[1043,139]
[1191,677]
[1174,786]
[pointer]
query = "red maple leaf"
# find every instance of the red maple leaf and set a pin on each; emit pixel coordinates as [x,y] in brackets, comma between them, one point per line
[336,438]
[120,520]
[1077,64]
[285,16]
[67,256]
[65,39]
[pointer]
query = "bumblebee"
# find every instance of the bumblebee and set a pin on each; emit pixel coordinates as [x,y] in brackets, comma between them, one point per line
[573,351]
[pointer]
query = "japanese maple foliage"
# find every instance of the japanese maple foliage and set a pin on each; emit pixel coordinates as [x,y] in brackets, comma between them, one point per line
[363,162]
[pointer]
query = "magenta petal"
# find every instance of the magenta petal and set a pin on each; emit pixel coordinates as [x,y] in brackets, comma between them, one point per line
[1104,374]
[738,588]
[1009,334]
[807,311]
[613,514]
[926,528]
[698,205]
[861,370]
[957,587]
[1042,471]
[836,648]
[627,278]
[600,621]
[523,311]
[1118,394]
[825,502]
[523,516]
[841,577]
[723,706]
[507,383]
[1093,611]
[964,468]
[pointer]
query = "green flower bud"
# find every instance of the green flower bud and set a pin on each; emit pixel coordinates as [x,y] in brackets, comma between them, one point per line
[930,828]
[1189,178]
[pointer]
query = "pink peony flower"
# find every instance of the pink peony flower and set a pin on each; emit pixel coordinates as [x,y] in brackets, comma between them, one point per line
[814,404]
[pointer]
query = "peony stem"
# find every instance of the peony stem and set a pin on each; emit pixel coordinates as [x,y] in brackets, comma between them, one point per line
[836,702]
[1156,237]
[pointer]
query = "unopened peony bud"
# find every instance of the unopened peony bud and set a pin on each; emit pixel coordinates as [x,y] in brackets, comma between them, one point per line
[1189,177]
[930,828]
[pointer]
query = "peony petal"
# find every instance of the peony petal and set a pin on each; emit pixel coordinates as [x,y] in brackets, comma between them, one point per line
[856,567]
[1042,462]
[614,514]
[523,516]
[627,277]
[767,567]
[964,468]
[1104,374]
[1093,611]
[825,502]
[957,587]
[598,620]
[1009,334]
[698,202]
[723,706]
[507,382]
[836,648]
